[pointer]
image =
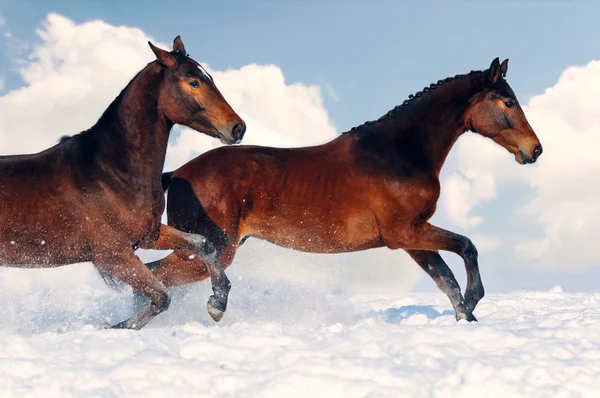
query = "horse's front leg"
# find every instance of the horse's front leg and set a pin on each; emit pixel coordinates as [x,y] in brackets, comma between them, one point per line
[438,270]
[431,238]
[174,239]
[127,267]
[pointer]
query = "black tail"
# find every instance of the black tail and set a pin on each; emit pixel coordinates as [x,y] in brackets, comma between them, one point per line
[110,280]
[165,180]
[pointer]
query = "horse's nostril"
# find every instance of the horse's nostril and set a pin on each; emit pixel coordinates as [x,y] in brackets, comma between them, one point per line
[238,131]
[537,151]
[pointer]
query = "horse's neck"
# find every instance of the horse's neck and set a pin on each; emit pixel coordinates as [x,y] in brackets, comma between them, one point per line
[132,135]
[428,128]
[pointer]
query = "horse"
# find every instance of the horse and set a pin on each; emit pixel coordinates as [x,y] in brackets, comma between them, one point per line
[376,185]
[97,195]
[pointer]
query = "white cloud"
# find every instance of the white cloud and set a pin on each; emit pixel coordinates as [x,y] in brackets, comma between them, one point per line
[78,69]
[1,83]
[463,192]
[565,205]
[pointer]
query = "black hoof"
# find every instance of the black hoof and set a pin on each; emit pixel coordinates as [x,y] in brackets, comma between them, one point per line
[216,309]
[462,313]
[468,317]
[122,325]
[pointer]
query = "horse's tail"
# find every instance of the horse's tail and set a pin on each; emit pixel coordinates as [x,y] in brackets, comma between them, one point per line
[165,180]
[111,281]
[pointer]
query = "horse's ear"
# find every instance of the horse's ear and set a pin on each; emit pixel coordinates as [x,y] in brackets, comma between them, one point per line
[178,45]
[164,57]
[504,67]
[494,70]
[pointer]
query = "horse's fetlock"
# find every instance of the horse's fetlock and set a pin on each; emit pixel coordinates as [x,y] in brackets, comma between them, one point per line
[222,292]
[163,303]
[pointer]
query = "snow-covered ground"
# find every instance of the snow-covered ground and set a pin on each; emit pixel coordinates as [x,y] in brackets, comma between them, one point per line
[285,340]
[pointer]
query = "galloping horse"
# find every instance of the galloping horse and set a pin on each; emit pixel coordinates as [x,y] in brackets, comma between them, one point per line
[376,185]
[97,196]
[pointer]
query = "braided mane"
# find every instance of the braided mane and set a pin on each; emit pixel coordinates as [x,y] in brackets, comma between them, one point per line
[411,99]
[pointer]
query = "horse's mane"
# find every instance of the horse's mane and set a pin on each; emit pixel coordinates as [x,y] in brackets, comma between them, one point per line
[411,99]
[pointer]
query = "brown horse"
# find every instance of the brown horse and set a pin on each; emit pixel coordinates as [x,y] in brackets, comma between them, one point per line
[97,196]
[376,185]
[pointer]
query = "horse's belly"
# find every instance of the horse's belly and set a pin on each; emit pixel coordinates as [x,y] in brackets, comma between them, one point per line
[325,232]
[25,249]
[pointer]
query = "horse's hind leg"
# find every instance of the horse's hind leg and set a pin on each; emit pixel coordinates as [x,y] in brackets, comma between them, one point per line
[438,270]
[171,238]
[131,270]
[180,268]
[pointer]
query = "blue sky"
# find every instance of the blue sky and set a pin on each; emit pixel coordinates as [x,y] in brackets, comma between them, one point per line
[368,56]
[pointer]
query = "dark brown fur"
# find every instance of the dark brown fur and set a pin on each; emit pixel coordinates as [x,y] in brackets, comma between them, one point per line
[97,196]
[374,186]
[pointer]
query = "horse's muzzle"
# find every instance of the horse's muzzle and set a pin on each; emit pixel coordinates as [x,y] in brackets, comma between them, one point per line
[535,154]
[238,132]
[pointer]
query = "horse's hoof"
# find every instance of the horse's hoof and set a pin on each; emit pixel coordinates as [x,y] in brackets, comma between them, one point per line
[215,313]
[467,316]
[103,325]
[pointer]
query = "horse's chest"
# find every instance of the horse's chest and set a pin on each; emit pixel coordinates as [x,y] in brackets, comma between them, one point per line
[126,221]
[142,215]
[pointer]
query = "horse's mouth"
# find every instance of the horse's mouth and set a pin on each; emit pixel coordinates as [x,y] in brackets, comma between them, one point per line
[228,140]
[524,159]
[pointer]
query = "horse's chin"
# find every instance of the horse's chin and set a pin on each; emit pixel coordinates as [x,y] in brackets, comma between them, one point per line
[519,159]
[227,140]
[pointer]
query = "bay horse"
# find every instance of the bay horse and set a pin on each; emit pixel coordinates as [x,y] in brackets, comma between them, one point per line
[376,185]
[97,196]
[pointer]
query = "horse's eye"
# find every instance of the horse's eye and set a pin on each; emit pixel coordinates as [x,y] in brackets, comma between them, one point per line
[509,104]
[195,84]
